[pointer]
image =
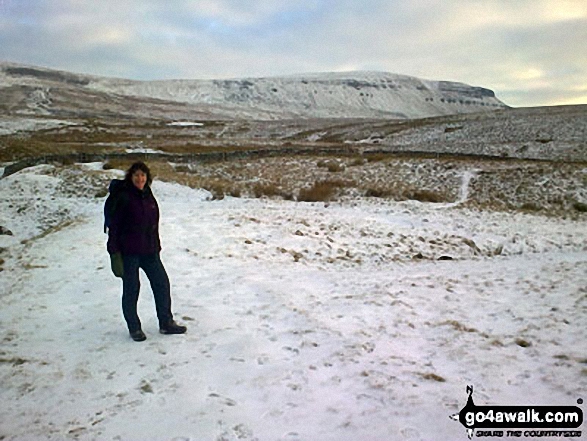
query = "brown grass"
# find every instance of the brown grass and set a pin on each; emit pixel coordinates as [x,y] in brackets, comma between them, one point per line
[432,377]
[270,190]
[426,196]
[377,157]
[331,166]
[313,177]
[379,192]
[321,191]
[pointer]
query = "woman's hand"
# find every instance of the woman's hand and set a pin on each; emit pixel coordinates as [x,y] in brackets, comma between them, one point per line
[117,264]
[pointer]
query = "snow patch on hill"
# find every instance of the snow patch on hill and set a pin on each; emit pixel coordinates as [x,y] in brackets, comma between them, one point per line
[9,126]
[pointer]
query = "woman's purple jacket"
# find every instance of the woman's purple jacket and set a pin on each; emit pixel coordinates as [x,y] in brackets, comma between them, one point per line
[134,228]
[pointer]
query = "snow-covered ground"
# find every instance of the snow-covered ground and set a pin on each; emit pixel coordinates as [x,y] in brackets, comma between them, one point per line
[9,126]
[306,321]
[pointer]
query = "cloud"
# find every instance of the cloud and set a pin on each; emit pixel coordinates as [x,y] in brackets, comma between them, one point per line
[528,51]
[236,13]
[538,58]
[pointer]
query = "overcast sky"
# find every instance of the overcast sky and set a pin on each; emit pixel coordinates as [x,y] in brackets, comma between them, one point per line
[530,52]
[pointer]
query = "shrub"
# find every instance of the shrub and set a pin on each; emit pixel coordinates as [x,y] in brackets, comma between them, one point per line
[377,157]
[270,190]
[580,207]
[335,167]
[332,166]
[101,193]
[531,206]
[235,192]
[118,164]
[218,189]
[182,168]
[378,193]
[67,160]
[321,191]
[358,161]
[426,196]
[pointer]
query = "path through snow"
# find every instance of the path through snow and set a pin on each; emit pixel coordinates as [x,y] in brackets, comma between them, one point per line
[305,322]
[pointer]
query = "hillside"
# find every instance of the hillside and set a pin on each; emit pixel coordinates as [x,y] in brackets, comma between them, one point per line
[40,91]
[51,116]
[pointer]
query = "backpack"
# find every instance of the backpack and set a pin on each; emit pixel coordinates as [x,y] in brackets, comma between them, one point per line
[112,201]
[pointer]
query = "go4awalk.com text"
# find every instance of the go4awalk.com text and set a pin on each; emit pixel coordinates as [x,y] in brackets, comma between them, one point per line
[520,421]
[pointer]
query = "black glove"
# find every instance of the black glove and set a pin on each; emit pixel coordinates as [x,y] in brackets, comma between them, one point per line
[117,264]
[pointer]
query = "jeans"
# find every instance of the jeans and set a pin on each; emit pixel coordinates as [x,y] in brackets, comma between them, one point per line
[153,268]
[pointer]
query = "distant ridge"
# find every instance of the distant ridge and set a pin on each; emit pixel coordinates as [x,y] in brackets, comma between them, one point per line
[361,94]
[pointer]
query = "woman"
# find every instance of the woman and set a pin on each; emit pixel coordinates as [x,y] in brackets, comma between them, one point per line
[133,243]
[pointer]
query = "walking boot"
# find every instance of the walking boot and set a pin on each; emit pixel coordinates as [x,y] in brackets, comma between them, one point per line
[172,328]
[138,335]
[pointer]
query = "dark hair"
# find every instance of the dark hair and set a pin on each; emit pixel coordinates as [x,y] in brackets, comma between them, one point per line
[139,165]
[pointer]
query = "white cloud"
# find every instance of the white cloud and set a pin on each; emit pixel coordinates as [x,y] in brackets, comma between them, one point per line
[580,97]
[482,13]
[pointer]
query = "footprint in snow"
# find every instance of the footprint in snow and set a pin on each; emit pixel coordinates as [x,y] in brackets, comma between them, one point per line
[224,400]
[410,434]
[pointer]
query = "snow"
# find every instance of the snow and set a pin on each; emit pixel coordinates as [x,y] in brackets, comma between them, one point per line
[185,124]
[314,95]
[305,321]
[143,150]
[9,126]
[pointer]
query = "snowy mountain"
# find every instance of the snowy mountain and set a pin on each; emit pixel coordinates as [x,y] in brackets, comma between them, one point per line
[318,95]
